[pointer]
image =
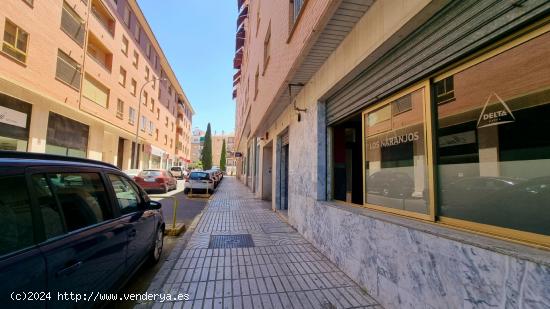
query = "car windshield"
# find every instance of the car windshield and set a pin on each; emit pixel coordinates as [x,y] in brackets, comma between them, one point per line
[198,176]
[150,173]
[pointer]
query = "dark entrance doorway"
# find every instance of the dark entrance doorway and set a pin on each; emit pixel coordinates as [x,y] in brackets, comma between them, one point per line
[120,153]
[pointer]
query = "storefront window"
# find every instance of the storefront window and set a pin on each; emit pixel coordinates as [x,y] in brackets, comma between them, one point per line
[395,154]
[66,137]
[494,140]
[15,116]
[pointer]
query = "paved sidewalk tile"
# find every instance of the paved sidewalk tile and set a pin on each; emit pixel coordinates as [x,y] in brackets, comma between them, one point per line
[279,270]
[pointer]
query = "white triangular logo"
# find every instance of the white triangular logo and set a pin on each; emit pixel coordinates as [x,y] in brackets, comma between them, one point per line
[495,114]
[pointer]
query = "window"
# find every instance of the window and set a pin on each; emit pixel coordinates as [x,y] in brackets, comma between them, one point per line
[158,113]
[126,16]
[151,125]
[401,105]
[99,52]
[152,105]
[154,83]
[444,90]
[67,70]
[156,134]
[493,144]
[135,62]
[295,10]
[166,122]
[124,45]
[82,197]
[145,98]
[148,50]
[267,47]
[256,81]
[29,2]
[131,115]
[395,163]
[101,13]
[120,109]
[147,73]
[171,142]
[143,123]
[127,195]
[165,139]
[133,87]
[122,77]
[16,226]
[15,42]
[95,91]
[52,216]
[72,24]
[137,31]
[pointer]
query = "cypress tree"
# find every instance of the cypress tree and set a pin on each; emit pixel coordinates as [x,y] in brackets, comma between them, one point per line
[206,155]
[222,157]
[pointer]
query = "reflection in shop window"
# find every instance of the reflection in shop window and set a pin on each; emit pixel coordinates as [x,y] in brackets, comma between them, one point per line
[494,142]
[395,160]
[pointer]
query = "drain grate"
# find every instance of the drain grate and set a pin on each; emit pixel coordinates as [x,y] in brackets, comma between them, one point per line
[230,241]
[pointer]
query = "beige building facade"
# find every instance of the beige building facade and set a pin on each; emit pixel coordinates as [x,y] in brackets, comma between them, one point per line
[72,77]
[404,139]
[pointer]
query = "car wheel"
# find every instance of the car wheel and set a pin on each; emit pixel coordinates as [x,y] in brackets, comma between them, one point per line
[186,191]
[165,189]
[158,244]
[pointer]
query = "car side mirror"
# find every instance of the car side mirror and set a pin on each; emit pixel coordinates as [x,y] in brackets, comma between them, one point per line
[153,205]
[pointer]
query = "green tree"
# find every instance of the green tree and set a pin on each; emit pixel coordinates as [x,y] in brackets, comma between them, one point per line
[206,154]
[222,157]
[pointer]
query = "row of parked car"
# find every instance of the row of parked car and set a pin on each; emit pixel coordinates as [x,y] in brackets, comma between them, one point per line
[203,180]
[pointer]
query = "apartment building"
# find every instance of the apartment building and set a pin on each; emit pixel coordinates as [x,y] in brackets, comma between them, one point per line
[87,78]
[407,140]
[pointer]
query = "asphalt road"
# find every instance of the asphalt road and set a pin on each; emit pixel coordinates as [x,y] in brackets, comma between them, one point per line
[188,209]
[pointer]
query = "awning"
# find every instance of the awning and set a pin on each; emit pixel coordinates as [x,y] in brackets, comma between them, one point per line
[239,38]
[240,4]
[234,93]
[242,16]
[157,151]
[237,79]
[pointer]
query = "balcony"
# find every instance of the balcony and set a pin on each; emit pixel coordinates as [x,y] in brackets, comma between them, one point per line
[102,15]
[99,53]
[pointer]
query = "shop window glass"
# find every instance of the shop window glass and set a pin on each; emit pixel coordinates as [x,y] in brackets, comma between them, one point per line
[14,123]
[395,156]
[66,137]
[493,141]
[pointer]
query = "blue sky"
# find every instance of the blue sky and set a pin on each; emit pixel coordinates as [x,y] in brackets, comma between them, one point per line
[198,38]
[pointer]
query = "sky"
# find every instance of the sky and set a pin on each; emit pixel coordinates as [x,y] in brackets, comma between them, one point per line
[198,38]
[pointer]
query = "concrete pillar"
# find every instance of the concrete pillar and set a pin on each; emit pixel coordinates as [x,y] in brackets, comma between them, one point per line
[127,158]
[38,129]
[110,148]
[95,142]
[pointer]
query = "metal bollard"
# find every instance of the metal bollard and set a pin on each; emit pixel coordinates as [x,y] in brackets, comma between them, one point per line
[174,205]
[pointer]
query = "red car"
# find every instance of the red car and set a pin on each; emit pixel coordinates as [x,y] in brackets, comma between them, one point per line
[156,179]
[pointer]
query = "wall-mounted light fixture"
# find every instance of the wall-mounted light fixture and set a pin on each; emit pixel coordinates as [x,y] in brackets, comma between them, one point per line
[293,102]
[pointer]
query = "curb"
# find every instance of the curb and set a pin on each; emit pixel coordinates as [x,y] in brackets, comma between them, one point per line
[160,278]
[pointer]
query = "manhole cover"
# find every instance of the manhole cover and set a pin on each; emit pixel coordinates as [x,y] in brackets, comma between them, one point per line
[230,241]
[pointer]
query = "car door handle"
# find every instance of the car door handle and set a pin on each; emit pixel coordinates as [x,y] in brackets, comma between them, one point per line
[132,234]
[69,269]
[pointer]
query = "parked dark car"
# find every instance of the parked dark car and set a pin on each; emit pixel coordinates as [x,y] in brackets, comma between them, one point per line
[71,225]
[390,184]
[524,206]
[463,196]
[156,180]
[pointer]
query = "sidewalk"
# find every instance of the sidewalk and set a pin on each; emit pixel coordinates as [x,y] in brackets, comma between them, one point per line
[240,254]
